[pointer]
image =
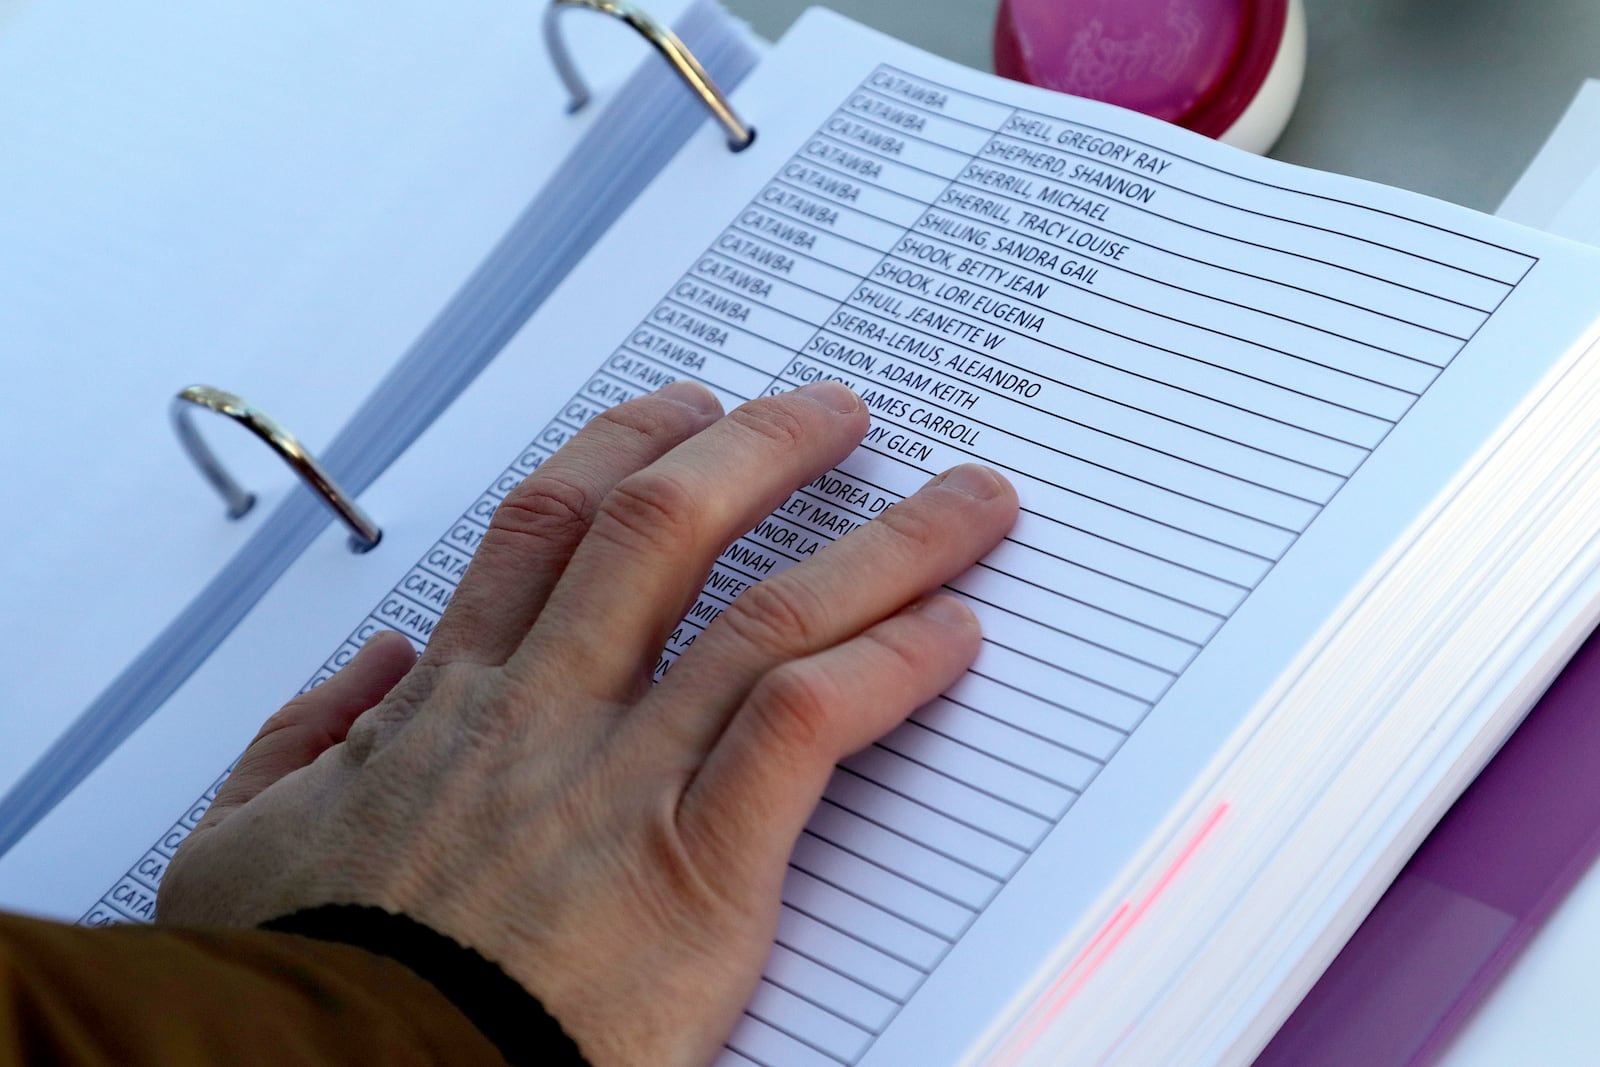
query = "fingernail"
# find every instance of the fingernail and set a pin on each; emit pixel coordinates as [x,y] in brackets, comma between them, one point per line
[834,396]
[973,479]
[946,610]
[691,395]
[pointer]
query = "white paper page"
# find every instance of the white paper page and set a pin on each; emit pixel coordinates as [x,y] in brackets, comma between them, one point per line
[1568,158]
[1188,407]
[274,198]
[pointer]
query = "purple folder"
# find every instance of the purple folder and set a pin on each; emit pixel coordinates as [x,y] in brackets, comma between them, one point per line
[1452,922]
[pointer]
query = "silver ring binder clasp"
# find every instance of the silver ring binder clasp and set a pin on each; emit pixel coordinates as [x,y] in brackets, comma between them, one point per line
[364,533]
[665,41]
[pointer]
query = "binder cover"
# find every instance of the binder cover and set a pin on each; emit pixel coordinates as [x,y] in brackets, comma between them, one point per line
[1479,887]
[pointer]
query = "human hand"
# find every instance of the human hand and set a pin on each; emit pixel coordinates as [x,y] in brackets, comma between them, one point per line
[616,848]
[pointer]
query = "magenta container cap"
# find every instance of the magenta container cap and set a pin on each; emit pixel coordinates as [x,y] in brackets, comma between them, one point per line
[1229,69]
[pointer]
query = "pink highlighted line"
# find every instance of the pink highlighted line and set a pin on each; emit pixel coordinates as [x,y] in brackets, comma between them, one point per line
[1100,947]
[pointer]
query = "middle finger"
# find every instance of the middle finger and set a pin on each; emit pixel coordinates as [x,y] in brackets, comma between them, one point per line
[542,521]
[657,533]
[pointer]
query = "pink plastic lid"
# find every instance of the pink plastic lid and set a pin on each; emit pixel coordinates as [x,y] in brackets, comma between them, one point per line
[1196,63]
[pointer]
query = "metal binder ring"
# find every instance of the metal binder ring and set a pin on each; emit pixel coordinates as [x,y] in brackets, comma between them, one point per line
[665,41]
[364,533]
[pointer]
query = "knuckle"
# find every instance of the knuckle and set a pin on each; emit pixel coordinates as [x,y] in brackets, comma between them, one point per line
[914,528]
[367,735]
[549,506]
[376,727]
[647,417]
[892,652]
[288,717]
[775,616]
[487,717]
[649,509]
[773,420]
[792,707]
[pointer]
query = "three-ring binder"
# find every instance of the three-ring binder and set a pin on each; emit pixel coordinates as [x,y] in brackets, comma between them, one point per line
[364,533]
[664,40]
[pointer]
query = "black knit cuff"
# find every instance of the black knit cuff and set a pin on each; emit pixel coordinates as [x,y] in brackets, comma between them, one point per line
[505,1013]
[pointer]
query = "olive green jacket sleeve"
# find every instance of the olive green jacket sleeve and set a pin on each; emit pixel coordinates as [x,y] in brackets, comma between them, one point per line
[131,996]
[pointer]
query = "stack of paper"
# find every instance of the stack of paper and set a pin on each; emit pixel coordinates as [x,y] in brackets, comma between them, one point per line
[1478,903]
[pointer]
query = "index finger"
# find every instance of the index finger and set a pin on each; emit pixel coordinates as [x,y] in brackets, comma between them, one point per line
[657,533]
[536,527]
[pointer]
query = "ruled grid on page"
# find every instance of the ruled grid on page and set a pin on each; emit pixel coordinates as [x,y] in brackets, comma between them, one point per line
[1178,366]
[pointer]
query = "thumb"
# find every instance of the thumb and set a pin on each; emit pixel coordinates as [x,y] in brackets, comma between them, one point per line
[313,722]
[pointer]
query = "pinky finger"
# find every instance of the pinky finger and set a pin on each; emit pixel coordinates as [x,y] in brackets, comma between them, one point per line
[765,774]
